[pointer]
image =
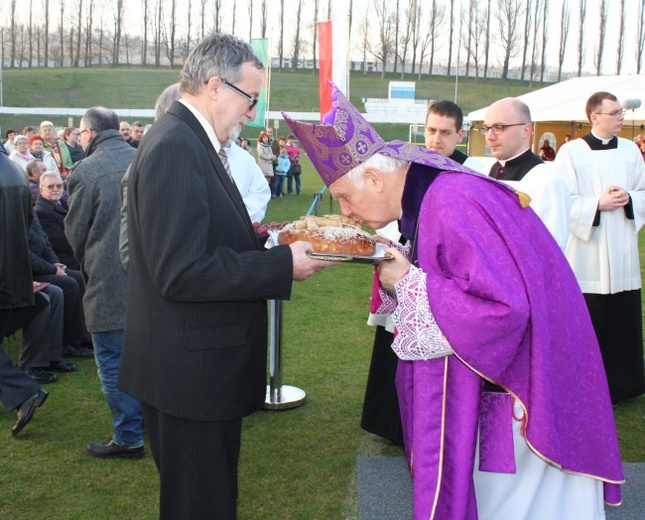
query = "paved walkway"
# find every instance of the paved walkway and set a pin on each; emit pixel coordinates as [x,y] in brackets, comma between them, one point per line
[384,490]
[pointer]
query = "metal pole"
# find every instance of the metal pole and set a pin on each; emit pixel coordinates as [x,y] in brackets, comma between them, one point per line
[279,396]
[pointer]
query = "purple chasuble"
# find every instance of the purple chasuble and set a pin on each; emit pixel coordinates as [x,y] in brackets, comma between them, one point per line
[504,296]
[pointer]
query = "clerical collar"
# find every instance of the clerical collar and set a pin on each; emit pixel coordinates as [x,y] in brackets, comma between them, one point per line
[516,168]
[458,156]
[596,144]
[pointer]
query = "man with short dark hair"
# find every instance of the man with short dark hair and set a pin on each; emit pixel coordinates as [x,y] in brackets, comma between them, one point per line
[92,228]
[136,134]
[443,130]
[35,168]
[606,177]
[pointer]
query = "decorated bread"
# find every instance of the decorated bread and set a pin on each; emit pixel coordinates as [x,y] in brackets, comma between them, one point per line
[334,234]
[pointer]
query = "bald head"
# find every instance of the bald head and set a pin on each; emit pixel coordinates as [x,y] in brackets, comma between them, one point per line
[509,120]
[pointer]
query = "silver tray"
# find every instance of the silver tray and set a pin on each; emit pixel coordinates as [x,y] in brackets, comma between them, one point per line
[376,258]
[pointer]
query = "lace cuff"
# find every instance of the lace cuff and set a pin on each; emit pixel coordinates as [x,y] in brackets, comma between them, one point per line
[419,336]
[404,250]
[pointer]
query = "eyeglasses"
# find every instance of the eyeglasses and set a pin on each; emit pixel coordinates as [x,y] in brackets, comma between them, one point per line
[81,132]
[613,113]
[497,129]
[252,100]
[53,186]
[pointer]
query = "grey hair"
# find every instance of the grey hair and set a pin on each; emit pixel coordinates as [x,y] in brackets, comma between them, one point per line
[101,118]
[49,174]
[165,99]
[219,55]
[383,163]
[31,167]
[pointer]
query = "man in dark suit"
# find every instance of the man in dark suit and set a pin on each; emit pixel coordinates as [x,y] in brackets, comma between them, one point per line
[51,214]
[194,352]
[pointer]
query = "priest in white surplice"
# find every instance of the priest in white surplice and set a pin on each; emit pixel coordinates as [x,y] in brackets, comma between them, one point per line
[606,177]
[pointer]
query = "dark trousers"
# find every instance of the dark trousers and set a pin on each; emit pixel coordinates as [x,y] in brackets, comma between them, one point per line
[197,464]
[73,287]
[618,324]
[15,386]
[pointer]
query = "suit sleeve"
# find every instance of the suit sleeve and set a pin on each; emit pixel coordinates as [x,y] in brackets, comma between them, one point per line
[194,242]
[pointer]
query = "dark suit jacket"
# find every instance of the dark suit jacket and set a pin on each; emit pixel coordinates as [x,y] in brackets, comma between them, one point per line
[196,325]
[52,218]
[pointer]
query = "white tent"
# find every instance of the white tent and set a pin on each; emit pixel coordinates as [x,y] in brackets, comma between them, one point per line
[565,101]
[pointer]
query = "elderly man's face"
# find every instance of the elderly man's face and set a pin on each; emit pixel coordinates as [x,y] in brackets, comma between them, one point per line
[229,109]
[51,188]
[374,204]
[124,128]
[85,135]
[137,133]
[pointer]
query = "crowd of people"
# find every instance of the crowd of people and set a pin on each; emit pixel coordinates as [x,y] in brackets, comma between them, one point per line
[507,324]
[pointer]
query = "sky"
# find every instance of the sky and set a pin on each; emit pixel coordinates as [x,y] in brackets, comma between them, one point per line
[340,8]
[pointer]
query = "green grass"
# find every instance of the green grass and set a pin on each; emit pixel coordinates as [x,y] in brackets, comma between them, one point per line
[139,88]
[297,464]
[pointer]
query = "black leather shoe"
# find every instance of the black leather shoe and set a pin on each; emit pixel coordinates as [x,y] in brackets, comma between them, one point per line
[62,366]
[78,351]
[25,411]
[39,375]
[110,449]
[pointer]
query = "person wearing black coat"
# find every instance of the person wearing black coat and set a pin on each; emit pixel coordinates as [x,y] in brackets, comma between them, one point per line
[52,215]
[46,267]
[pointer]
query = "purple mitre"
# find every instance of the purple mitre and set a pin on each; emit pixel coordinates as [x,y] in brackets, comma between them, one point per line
[345,139]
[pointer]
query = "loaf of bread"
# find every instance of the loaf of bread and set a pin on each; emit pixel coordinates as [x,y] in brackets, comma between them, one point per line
[334,234]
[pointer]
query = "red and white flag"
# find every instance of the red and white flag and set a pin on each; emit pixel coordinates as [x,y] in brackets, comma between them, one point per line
[333,57]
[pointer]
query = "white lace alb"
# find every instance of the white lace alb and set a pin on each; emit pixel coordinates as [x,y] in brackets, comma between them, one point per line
[418,334]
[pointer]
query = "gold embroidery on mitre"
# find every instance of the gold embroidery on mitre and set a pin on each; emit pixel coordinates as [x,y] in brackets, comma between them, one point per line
[525,200]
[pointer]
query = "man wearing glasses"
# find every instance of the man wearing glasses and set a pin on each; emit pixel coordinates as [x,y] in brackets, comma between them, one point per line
[194,352]
[507,129]
[606,177]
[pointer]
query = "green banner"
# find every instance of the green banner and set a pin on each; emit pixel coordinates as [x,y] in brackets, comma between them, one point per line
[261,48]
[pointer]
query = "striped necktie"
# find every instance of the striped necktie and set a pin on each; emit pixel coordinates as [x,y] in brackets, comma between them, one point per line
[223,157]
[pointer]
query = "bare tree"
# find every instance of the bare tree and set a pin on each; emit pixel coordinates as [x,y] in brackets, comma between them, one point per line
[406,35]
[385,34]
[508,13]
[61,31]
[397,21]
[437,17]
[46,35]
[476,29]
[582,15]
[536,32]
[452,29]
[281,43]
[296,39]
[564,32]
[172,33]
[145,22]
[158,32]
[328,9]
[217,15]
[545,37]
[528,22]
[416,31]
[250,8]
[30,32]
[315,39]
[640,38]
[621,38]
[118,29]
[188,26]
[263,20]
[79,32]
[601,37]
[88,34]
[202,21]
[12,33]
[364,31]
[487,44]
